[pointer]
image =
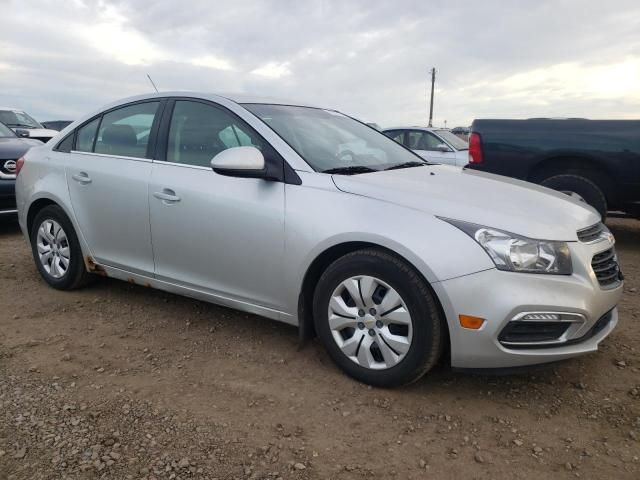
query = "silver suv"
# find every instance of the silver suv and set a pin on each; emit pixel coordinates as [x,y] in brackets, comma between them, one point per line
[306,216]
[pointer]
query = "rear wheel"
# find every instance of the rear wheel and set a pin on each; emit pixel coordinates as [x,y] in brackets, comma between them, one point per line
[377,318]
[580,188]
[56,250]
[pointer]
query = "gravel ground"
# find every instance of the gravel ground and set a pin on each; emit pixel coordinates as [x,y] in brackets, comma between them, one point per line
[117,381]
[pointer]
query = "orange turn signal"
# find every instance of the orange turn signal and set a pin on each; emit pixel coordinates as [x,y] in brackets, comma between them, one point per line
[471,322]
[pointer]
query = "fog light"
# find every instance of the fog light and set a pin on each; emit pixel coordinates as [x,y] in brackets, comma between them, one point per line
[471,322]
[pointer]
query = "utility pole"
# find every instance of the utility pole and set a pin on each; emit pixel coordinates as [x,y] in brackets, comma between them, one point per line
[433,83]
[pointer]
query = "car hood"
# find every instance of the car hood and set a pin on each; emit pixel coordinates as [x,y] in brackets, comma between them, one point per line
[12,148]
[477,197]
[41,132]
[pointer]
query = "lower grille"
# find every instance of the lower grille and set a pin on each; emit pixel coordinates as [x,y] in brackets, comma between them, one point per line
[605,266]
[536,335]
[531,332]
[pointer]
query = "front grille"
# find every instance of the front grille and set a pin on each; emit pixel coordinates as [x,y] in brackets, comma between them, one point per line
[605,266]
[592,233]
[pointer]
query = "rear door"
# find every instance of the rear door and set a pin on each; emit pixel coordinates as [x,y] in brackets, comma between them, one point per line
[108,172]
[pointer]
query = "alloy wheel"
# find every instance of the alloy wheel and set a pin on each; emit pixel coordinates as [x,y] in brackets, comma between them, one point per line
[370,322]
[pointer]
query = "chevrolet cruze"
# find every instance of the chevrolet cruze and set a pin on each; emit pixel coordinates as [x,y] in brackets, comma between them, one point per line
[268,207]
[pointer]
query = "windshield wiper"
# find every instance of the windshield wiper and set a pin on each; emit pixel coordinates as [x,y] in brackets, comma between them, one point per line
[352,170]
[19,125]
[406,165]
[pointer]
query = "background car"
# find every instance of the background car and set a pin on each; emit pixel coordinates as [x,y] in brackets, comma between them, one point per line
[25,125]
[56,124]
[436,145]
[12,148]
[594,161]
[462,132]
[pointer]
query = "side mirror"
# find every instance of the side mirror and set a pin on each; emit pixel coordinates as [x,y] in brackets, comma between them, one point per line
[441,147]
[247,162]
[21,132]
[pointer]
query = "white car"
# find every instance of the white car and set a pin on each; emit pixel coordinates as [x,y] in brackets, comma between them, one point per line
[25,125]
[437,145]
[389,259]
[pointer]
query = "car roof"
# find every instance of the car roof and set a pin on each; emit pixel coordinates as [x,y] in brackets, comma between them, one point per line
[12,109]
[234,97]
[415,127]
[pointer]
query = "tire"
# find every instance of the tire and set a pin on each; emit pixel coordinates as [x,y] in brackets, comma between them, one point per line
[74,275]
[422,336]
[582,186]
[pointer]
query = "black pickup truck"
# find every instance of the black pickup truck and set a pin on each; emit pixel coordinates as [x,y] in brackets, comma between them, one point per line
[597,161]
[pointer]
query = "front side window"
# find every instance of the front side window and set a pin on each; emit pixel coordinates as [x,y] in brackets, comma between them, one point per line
[198,132]
[86,136]
[125,131]
[328,140]
[419,140]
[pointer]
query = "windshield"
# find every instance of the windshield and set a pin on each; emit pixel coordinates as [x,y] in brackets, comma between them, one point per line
[6,131]
[328,140]
[16,118]
[453,140]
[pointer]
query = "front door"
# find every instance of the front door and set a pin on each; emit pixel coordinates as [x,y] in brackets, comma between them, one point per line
[108,175]
[218,234]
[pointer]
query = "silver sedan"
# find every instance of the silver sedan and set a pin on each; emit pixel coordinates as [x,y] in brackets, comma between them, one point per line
[304,215]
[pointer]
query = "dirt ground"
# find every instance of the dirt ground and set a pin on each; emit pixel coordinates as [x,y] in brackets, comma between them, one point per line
[117,381]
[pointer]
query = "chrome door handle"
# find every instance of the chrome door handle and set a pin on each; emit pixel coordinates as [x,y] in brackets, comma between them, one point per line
[167,195]
[82,178]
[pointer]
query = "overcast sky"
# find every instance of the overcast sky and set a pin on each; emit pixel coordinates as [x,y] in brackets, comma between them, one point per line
[368,58]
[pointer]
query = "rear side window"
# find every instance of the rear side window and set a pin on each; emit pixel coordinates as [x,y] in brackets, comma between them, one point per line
[86,136]
[198,132]
[125,131]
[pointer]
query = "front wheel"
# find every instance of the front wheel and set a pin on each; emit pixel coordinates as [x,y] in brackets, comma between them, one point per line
[378,319]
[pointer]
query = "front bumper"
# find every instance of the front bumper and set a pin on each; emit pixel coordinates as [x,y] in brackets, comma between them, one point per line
[7,195]
[499,297]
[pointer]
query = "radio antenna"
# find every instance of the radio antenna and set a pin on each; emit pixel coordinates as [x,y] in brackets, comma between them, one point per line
[154,85]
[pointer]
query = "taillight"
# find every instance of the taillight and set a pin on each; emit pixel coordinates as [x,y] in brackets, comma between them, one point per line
[475,148]
[19,164]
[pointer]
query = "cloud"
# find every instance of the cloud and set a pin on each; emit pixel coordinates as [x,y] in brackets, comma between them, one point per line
[368,59]
[211,61]
[273,70]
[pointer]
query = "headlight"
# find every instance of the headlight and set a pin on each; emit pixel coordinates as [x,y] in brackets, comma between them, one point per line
[519,254]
